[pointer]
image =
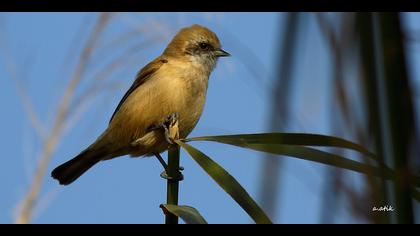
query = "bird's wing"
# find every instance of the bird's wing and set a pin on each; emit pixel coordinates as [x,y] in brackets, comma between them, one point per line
[142,76]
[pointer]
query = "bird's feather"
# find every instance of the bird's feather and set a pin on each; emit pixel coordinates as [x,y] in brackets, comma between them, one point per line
[142,76]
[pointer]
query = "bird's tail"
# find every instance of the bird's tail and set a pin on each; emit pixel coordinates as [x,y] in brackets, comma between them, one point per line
[73,169]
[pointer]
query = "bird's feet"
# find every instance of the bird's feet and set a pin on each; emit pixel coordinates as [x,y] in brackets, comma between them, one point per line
[170,128]
[178,176]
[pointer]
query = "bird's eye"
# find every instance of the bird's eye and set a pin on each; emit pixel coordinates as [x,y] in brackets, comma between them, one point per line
[204,46]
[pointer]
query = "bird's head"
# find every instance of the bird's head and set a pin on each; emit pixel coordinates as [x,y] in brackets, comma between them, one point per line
[197,44]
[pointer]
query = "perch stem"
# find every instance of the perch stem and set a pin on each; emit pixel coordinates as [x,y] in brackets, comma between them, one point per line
[173,182]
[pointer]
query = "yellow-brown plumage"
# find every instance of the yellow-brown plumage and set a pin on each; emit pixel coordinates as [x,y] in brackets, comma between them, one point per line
[175,82]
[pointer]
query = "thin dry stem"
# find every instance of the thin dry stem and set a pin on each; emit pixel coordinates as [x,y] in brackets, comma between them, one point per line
[26,207]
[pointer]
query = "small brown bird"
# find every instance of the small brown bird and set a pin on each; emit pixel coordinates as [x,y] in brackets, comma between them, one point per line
[169,90]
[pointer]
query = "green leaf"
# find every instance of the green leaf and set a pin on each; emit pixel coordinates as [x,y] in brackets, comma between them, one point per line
[188,214]
[289,144]
[286,138]
[319,156]
[228,183]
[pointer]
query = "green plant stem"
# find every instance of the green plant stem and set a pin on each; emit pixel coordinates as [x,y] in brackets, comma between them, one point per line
[172,184]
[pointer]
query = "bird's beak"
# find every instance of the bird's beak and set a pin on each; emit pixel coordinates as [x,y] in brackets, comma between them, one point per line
[220,53]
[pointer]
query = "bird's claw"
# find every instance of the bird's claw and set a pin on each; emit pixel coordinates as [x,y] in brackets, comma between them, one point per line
[168,137]
[178,177]
[171,128]
[171,120]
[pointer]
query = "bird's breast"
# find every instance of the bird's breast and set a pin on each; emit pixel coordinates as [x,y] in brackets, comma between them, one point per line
[173,89]
[190,96]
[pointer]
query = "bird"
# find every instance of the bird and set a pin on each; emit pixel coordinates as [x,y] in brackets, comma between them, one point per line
[168,94]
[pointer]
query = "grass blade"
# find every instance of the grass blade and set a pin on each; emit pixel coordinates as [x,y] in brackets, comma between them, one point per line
[228,183]
[286,138]
[188,214]
[315,155]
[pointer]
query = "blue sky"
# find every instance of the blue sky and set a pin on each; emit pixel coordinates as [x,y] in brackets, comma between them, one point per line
[42,47]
